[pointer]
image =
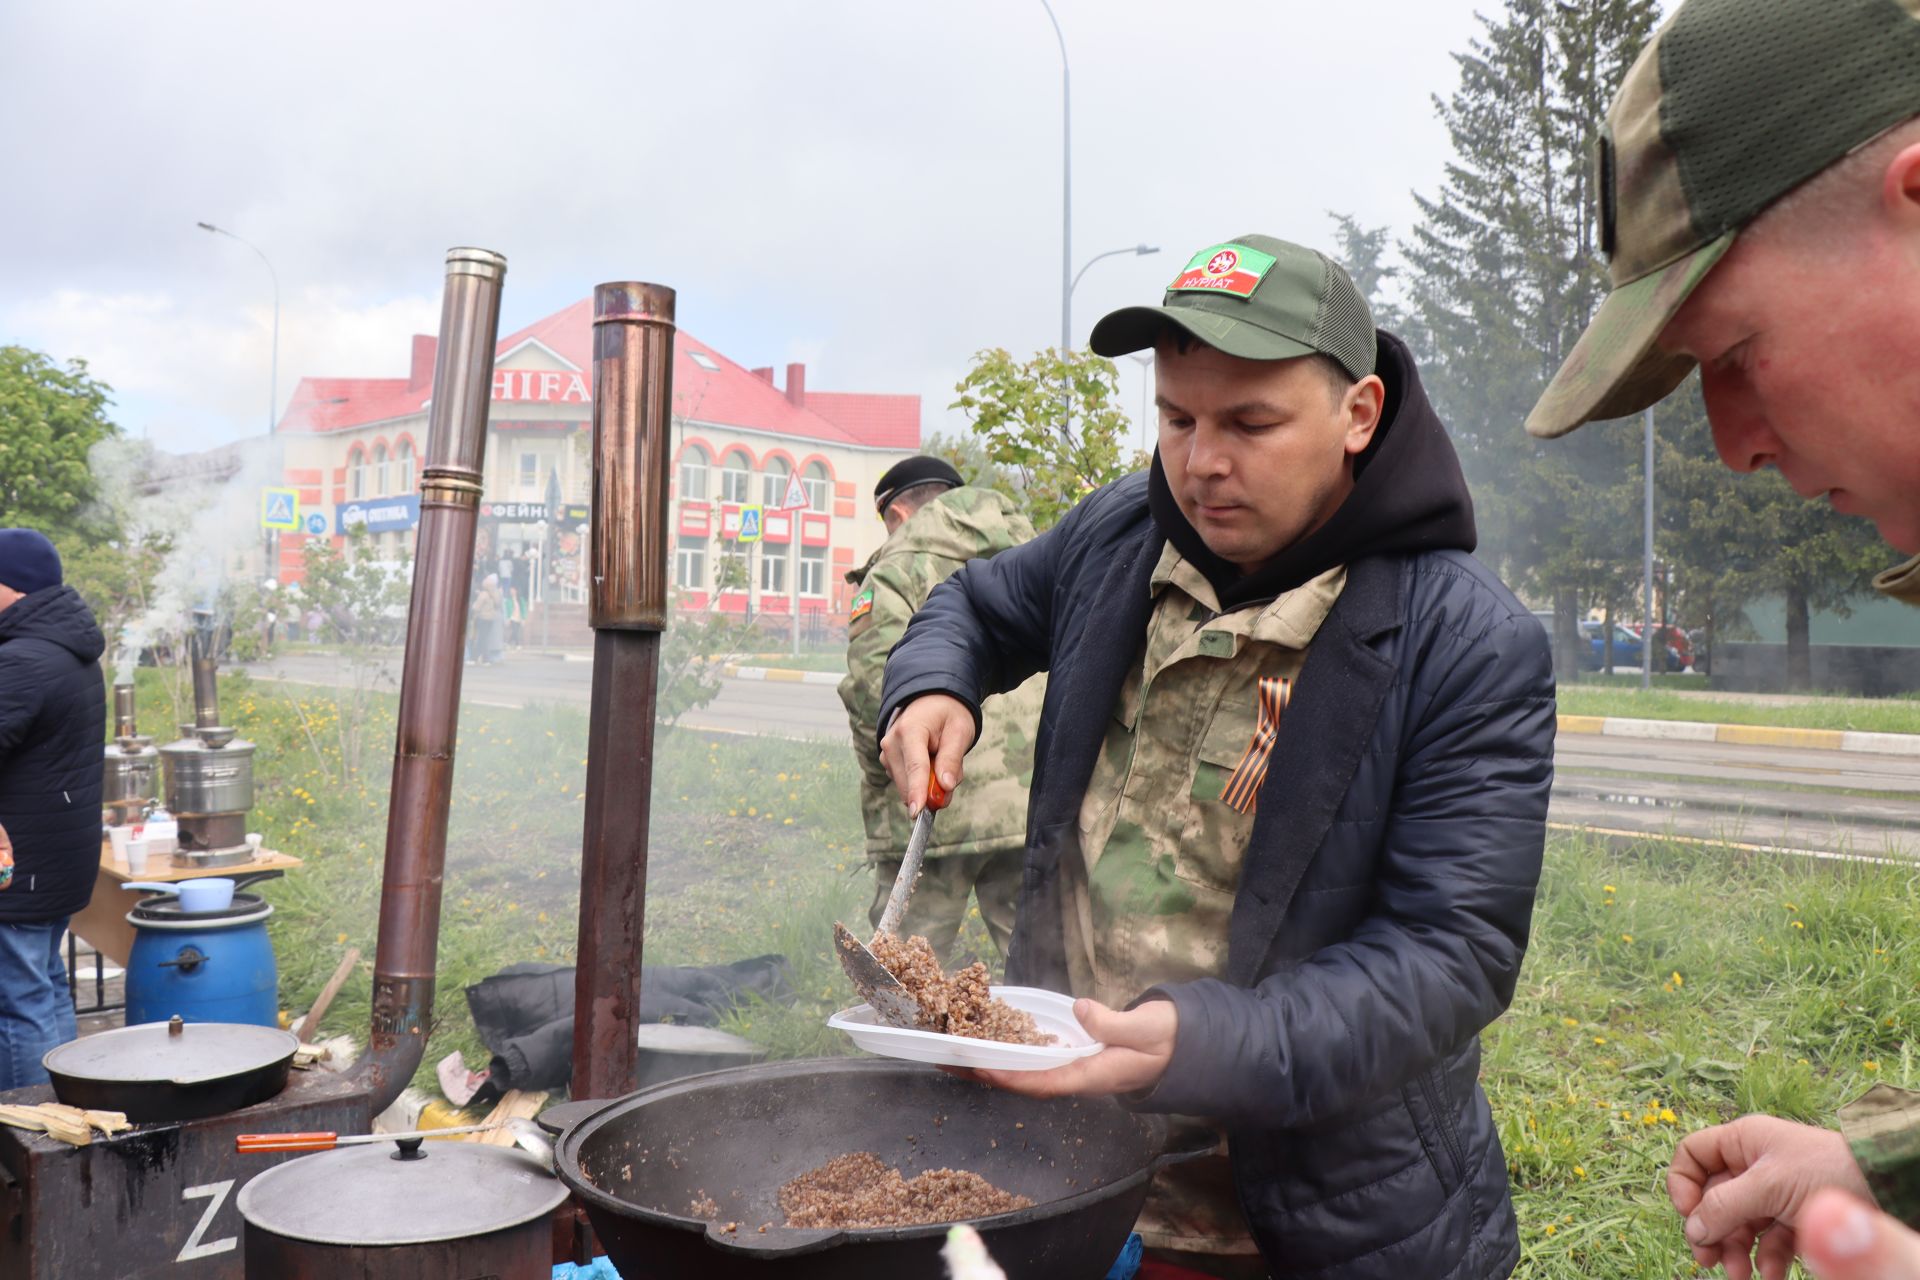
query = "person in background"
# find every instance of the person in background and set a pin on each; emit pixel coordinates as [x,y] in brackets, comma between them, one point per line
[487,620]
[1761,213]
[516,611]
[53,710]
[936,523]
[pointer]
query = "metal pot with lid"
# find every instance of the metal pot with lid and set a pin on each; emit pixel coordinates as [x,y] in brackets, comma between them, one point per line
[173,1070]
[408,1210]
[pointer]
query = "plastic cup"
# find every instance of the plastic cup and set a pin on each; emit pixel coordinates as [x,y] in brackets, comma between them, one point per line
[137,857]
[119,836]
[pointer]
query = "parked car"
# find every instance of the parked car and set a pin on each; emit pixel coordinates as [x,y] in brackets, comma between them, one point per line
[1626,649]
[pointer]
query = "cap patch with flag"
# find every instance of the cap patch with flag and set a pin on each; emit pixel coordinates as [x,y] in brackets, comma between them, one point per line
[1224,268]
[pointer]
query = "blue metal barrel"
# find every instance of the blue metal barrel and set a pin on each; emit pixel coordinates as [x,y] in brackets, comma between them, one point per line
[214,966]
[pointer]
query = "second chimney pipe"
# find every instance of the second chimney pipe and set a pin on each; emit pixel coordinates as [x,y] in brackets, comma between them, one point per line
[450,488]
[632,404]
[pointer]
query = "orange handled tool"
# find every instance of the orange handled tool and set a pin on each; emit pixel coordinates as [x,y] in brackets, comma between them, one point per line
[255,1143]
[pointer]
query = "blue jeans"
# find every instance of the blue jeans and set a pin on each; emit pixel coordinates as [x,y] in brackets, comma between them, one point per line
[36,1009]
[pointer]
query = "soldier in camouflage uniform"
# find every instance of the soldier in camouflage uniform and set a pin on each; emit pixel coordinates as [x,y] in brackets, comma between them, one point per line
[935,524]
[1291,786]
[1760,197]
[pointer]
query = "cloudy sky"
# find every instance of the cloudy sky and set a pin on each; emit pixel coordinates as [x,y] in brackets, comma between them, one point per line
[870,186]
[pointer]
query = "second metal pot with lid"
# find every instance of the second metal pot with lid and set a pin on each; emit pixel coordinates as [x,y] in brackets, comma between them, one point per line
[163,1071]
[439,1210]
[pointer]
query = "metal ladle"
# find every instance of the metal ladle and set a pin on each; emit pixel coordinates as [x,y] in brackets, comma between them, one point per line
[873,980]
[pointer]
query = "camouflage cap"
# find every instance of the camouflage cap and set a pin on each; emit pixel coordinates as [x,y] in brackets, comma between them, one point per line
[1732,105]
[1257,298]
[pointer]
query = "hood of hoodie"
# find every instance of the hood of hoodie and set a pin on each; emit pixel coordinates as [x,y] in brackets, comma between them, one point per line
[1408,496]
[961,524]
[57,615]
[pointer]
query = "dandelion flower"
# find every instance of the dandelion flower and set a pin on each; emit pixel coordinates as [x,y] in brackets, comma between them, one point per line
[1667,1116]
[1678,981]
[1799,924]
[1870,1065]
[1609,888]
[341,938]
[1571,1022]
[1599,1039]
[1551,1228]
[1626,937]
[1578,1172]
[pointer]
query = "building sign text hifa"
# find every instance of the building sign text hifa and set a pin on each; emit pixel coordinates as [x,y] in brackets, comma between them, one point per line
[541,386]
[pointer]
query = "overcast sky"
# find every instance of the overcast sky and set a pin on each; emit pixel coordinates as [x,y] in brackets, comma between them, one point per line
[870,186]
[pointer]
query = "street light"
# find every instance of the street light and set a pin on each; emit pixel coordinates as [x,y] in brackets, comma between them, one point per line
[273,381]
[1139,250]
[1066,188]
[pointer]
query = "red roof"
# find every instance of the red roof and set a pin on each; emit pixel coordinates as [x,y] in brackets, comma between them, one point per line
[726,395]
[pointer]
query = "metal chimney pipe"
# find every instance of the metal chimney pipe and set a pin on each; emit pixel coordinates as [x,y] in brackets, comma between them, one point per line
[123,707]
[450,488]
[632,405]
[206,688]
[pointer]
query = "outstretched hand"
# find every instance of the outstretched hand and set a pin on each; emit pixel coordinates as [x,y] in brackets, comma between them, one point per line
[6,859]
[1139,1045]
[1748,1184]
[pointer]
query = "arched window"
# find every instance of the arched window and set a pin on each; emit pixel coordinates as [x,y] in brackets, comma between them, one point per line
[356,474]
[819,486]
[773,483]
[736,472]
[380,471]
[403,454]
[693,474]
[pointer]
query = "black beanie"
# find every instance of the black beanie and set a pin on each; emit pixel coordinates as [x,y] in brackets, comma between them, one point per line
[917,470]
[28,562]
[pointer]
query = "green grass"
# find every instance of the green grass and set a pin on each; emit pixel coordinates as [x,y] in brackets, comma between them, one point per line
[1793,990]
[822,660]
[1793,995]
[1877,715]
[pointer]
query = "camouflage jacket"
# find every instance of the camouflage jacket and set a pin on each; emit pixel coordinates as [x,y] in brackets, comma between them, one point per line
[1883,1129]
[989,812]
[1164,828]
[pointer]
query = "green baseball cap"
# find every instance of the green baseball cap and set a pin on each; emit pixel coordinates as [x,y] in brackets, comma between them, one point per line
[1732,104]
[1257,298]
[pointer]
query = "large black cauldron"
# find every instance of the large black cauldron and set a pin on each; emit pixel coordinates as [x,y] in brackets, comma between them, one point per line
[735,1136]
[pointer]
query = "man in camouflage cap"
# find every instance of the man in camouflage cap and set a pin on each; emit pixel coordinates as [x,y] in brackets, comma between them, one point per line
[935,524]
[1290,786]
[1760,188]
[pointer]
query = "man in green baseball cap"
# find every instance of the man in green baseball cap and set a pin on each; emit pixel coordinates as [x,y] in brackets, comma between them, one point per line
[1760,204]
[1290,782]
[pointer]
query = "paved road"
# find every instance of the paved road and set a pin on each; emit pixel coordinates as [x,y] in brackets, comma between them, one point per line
[1770,796]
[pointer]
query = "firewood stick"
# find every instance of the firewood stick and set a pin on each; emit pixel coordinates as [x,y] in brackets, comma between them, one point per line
[311,1022]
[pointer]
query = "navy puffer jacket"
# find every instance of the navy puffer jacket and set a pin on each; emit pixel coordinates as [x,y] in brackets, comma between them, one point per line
[1384,901]
[53,717]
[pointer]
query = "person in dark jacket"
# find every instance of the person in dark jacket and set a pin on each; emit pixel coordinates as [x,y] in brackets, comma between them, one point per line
[1291,783]
[53,713]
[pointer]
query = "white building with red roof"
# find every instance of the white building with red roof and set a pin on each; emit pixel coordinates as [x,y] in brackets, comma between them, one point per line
[353,448]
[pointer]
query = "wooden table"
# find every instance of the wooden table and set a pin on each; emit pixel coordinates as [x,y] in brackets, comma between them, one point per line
[103,922]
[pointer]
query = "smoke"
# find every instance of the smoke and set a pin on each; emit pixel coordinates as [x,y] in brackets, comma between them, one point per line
[201,513]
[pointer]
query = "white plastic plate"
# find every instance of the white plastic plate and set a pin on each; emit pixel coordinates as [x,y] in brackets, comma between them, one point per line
[1052,1013]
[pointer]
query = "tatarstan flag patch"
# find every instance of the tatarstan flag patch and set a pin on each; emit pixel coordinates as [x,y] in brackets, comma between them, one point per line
[1224,268]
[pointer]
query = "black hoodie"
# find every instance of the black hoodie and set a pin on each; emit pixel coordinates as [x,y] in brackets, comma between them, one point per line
[53,717]
[1408,496]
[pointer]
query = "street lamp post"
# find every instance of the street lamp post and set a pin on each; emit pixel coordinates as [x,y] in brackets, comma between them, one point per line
[1066,187]
[273,379]
[1066,314]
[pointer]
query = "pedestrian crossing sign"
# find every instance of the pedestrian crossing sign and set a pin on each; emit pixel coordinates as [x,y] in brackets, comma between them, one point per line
[750,524]
[280,509]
